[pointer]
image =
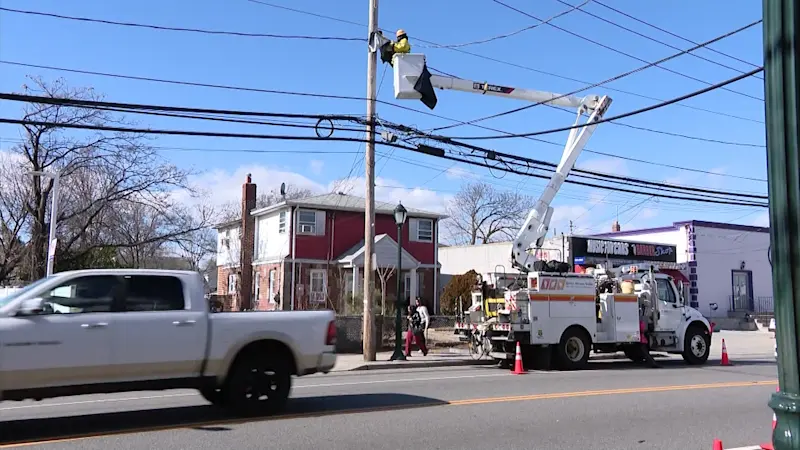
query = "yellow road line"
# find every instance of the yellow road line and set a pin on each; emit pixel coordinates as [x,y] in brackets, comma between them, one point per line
[466,402]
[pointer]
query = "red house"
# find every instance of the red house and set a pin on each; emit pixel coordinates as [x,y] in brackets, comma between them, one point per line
[309,254]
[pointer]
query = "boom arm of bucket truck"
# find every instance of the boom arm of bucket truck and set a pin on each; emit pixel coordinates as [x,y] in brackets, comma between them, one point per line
[410,69]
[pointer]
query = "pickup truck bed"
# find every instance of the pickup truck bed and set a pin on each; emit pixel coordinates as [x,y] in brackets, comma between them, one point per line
[102,331]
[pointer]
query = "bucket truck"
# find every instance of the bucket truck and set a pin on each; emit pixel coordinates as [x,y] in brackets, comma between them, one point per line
[562,316]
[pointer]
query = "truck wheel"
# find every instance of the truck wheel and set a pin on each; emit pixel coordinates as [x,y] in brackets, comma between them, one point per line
[573,351]
[213,395]
[258,384]
[634,353]
[696,345]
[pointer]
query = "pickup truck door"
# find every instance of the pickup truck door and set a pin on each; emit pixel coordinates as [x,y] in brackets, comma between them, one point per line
[67,344]
[158,336]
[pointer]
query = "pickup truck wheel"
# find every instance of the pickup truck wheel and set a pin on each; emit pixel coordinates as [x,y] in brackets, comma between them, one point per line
[258,384]
[213,396]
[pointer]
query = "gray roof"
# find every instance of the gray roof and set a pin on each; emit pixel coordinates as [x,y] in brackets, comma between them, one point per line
[344,202]
[384,245]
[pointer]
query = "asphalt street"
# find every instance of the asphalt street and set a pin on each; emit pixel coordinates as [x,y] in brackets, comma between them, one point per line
[614,405]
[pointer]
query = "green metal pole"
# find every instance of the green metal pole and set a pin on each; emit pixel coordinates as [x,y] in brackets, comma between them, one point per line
[398,354]
[781,22]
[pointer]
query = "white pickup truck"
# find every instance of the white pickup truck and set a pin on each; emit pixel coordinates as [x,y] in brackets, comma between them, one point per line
[103,331]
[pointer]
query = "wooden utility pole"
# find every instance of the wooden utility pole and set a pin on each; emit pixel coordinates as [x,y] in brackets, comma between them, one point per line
[369,208]
[782,88]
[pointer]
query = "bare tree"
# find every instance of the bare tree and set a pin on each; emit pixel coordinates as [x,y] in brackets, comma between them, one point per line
[480,214]
[102,174]
[384,273]
[13,216]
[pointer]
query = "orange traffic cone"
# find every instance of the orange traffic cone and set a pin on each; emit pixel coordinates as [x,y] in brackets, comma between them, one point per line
[725,361]
[768,446]
[717,445]
[518,369]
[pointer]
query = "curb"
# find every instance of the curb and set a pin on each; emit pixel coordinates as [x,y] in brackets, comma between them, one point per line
[419,364]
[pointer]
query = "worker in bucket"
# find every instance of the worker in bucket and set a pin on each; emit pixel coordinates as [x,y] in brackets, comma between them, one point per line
[389,48]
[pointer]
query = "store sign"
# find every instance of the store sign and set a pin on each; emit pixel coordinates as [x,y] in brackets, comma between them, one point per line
[612,249]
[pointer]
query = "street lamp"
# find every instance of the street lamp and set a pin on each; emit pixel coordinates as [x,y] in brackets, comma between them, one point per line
[400,215]
[51,246]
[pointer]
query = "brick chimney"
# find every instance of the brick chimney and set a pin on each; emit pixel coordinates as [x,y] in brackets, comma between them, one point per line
[247,245]
[615,227]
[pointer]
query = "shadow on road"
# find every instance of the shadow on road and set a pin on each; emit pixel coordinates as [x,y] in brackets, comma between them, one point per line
[205,418]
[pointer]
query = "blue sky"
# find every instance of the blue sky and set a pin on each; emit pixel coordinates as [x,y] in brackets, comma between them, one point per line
[340,68]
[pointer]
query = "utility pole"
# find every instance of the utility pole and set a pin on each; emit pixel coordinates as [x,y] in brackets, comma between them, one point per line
[369,209]
[782,86]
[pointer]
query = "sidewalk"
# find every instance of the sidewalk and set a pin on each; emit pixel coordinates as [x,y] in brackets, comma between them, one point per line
[440,358]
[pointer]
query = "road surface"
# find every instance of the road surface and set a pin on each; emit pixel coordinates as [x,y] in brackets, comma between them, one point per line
[615,405]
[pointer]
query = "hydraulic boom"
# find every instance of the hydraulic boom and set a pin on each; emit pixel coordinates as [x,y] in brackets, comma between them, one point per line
[413,81]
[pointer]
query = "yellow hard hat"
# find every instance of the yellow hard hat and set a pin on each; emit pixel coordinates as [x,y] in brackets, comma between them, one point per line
[400,32]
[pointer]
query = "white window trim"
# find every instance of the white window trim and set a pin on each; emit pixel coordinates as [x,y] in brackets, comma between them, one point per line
[419,237]
[282,219]
[324,292]
[300,224]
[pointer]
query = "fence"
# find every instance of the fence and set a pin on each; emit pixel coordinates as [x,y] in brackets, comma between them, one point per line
[349,338]
[757,305]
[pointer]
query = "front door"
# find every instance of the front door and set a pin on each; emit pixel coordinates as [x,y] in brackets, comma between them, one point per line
[68,344]
[742,295]
[157,336]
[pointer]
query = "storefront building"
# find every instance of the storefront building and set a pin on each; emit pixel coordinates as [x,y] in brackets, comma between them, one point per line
[728,264]
[586,251]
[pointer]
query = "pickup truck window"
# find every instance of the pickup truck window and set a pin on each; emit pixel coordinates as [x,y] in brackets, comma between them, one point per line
[83,295]
[154,293]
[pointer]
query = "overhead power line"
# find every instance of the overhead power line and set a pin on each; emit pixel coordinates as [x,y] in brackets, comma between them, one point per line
[513,33]
[420,149]
[652,39]
[507,63]
[609,80]
[230,150]
[624,115]
[616,50]
[643,22]
[181,29]
[193,114]
[342,97]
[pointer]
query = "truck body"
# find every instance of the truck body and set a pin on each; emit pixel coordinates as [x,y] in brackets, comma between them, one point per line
[103,331]
[565,316]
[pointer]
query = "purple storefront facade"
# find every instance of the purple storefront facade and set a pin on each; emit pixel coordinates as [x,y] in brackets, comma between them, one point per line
[728,264]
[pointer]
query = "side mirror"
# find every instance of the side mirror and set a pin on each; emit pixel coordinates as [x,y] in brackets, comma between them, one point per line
[31,307]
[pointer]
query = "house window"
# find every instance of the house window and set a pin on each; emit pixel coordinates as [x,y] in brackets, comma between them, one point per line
[256,288]
[282,222]
[271,289]
[424,230]
[231,283]
[319,286]
[307,222]
[407,288]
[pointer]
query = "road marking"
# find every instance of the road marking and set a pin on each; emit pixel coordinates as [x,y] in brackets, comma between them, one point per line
[465,402]
[195,394]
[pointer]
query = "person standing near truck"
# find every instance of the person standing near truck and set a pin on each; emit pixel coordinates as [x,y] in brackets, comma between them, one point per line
[415,332]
